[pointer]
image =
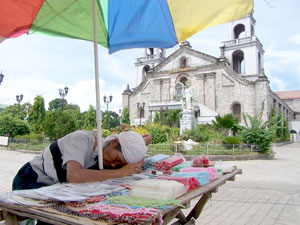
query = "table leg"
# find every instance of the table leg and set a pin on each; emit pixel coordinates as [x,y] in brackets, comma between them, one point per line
[196,211]
[10,219]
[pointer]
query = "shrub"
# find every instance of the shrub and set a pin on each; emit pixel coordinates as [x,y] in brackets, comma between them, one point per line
[232,140]
[259,132]
[203,133]
[158,133]
[31,136]
[12,126]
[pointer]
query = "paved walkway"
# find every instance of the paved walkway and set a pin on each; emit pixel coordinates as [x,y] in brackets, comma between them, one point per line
[268,191]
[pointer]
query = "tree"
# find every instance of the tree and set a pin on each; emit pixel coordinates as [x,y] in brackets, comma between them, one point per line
[12,111]
[172,118]
[110,120]
[286,133]
[125,116]
[71,106]
[156,117]
[258,132]
[37,114]
[227,122]
[279,131]
[57,104]
[11,127]
[59,123]
[89,122]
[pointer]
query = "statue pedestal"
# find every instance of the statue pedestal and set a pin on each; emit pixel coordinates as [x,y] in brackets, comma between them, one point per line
[188,120]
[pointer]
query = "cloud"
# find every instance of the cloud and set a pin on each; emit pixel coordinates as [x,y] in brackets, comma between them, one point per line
[295,39]
[278,84]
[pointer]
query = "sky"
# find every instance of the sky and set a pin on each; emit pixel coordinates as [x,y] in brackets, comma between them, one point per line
[41,65]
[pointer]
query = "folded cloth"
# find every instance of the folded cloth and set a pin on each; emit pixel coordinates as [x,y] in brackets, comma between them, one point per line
[182,165]
[190,182]
[211,171]
[202,177]
[150,162]
[167,164]
[158,189]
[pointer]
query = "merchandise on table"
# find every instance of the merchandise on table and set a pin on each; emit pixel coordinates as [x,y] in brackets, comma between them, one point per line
[150,162]
[181,165]
[200,161]
[226,168]
[158,189]
[113,213]
[134,201]
[211,171]
[202,176]
[167,164]
[190,182]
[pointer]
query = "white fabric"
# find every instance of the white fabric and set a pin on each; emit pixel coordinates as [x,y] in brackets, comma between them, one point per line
[133,146]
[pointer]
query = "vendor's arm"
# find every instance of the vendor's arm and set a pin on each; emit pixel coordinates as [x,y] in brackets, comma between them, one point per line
[77,174]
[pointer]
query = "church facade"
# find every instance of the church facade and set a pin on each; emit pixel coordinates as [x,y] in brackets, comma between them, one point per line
[233,83]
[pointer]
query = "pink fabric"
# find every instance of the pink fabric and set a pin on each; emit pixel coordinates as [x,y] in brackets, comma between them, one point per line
[211,171]
[167,164]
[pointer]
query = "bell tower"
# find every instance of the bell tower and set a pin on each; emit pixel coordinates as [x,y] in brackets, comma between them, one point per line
[243,50]
[151,58]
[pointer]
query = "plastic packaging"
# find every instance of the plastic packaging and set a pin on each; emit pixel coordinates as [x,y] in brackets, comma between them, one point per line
[202,177]
[211,171]
[190,182]
[158,189]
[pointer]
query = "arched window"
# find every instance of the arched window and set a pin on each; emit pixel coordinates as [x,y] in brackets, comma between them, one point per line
[183,80]
[178,90]
[142,113]
[236,110]
[183,62]
[259,62]
[252,31]
[150,51]
[238,61]
[239,31]
[145,71]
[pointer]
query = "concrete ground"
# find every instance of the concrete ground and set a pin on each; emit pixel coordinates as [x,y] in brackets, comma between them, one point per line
[268,191]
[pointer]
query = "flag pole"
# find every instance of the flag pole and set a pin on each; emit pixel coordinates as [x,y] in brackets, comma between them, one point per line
[98,108]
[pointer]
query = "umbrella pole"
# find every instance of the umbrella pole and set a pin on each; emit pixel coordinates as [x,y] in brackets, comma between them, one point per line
[98,108]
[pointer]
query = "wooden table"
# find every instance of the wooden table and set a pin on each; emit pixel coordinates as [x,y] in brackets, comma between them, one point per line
[52,216]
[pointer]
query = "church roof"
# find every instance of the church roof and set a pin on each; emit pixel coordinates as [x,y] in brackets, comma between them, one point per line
[285,95]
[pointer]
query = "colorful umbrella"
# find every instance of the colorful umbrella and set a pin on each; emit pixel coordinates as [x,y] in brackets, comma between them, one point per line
[118,24]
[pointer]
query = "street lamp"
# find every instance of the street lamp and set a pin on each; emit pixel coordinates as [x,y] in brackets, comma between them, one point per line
[141,109]
[63,92]
[19,99]
[1,77]
[107,101]
[120,119]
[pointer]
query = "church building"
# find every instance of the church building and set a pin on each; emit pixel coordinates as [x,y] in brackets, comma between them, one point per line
[235,82]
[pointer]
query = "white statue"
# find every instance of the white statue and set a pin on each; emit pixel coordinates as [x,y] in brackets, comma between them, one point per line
[188,97]
[26,109]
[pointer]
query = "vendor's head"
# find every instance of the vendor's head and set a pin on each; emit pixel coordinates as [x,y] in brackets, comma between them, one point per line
[127,147]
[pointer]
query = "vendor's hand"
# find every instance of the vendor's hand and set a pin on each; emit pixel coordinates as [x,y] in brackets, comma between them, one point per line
[133,168]
[147,139]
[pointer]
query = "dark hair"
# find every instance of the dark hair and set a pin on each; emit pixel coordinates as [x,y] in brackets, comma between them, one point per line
[119,147]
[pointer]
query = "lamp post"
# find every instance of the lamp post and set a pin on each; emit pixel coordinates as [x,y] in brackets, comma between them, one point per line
[63,92]
[140,108]
[107,101]
[19,99]
[1,77]
[120,119]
